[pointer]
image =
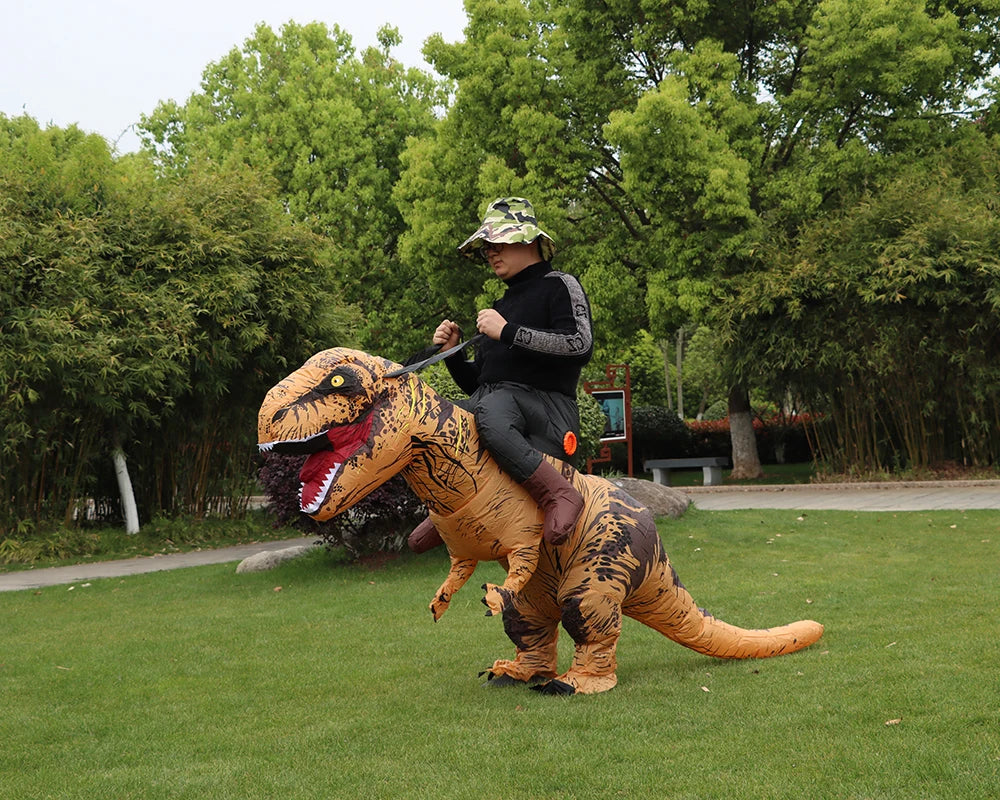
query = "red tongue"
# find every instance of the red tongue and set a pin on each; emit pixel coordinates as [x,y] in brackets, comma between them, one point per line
[346,439]
[316,467]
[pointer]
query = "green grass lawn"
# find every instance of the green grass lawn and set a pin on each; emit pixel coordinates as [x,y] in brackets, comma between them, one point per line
[200,683]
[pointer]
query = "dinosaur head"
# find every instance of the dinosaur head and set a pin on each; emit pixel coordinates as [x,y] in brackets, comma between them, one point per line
[337,409]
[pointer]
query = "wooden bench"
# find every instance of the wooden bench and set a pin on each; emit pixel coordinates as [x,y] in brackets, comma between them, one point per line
[711,468]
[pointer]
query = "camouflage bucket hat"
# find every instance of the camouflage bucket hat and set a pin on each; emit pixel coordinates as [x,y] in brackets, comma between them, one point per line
[509,220]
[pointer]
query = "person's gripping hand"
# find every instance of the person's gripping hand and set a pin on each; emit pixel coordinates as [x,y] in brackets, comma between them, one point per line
[490,323]
[446,335]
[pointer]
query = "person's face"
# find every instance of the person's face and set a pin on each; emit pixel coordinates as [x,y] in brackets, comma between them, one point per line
[506,260]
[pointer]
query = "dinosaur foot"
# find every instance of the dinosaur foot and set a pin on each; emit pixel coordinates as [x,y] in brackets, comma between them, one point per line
[496,599]
[495,681]
[554,687]
[571,683]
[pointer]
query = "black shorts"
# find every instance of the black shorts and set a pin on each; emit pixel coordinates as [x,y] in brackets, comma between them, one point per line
[518,423]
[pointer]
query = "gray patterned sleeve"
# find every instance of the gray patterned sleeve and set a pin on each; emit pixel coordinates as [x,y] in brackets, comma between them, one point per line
[571,334]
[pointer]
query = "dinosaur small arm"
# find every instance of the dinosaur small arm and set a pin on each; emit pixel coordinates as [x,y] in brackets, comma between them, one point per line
[361,428]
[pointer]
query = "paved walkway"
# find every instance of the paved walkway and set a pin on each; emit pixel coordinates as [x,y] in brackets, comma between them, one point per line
[52,576]
[900,496]
[903,496]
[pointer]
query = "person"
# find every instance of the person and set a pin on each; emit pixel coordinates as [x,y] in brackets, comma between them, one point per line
[522,382]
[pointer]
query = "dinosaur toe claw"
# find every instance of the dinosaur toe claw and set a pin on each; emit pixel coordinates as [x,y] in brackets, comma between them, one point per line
[554,687]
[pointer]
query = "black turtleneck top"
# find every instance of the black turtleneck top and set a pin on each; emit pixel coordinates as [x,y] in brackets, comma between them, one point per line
[547,339]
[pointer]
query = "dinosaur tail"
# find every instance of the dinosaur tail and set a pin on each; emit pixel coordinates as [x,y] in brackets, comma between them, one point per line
[674,614]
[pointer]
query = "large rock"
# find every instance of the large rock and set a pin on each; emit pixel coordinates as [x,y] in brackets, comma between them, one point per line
[269,559]
[663,501]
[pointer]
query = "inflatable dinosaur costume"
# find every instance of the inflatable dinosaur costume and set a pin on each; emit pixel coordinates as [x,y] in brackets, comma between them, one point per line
[362,427]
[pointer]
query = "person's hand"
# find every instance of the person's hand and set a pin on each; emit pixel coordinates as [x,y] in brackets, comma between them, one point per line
[491,323]
[447,334]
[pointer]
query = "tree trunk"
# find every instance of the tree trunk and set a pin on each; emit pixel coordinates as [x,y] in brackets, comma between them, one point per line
[680,373]
[125,489]
[746,459]
[665,349]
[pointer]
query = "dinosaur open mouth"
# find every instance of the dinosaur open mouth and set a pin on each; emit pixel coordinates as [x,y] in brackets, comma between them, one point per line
[327,453]
[321,468]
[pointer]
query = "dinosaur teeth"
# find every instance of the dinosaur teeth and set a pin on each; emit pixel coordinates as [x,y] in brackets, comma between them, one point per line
[317,491]
[303,445]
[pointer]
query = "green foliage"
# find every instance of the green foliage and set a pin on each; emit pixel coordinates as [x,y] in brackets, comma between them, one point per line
[329,127]
[704,369]
[509,79]
[647,373]
[717,410]
[64,546]
[148,312]
[56,545]
[884,316]
[659,433]
[678,163]
[814,182]
[616,302]
[592,421]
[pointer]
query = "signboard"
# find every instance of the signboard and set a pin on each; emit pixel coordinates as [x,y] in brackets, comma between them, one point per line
[613,405]
[614,395]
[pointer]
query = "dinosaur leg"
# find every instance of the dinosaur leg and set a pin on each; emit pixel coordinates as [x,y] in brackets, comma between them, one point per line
[532,623]
[521,564]
[594,621]
[460,572]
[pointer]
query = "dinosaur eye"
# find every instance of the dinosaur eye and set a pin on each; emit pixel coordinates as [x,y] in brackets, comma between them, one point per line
[336,382]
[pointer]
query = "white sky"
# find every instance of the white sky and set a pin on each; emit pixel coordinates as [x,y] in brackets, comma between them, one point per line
[102,63]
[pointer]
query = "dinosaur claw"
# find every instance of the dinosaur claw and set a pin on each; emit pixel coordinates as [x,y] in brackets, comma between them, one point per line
[554,688]
[496,599]
[500,681]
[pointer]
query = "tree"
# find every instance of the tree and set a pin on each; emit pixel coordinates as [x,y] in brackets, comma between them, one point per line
[646,369]
[773,119]
[703,367]
[148,313]
[884,315]
[513,129]
[329,127]
[84,343]
[261,302]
